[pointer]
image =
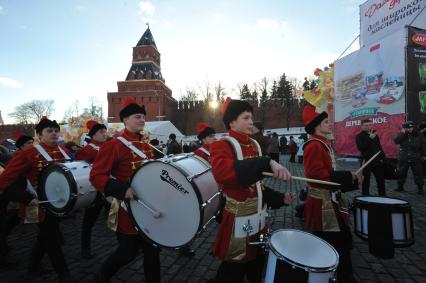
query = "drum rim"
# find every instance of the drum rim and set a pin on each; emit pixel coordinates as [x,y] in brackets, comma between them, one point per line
[299,265]
[357,200]
[140,231]
[73,189]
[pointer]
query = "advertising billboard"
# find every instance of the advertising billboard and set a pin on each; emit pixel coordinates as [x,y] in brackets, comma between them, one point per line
[416,75]
[370,83]
[379,18]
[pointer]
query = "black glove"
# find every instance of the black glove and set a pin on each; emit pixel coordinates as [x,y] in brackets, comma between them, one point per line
[272,198]
[115,188]
[18,194]
[249,171]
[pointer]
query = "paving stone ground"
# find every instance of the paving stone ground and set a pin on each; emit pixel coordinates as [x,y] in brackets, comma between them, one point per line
[408,265]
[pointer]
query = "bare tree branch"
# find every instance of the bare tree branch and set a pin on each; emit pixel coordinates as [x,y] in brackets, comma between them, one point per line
[31,112]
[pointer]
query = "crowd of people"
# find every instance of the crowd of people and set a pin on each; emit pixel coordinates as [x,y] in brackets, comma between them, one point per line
[238,163]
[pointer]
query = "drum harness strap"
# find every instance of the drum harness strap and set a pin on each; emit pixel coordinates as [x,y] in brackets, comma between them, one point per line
[94,146]
[135,150]
[132,147]
[204,150]
[48,158]
[243,226]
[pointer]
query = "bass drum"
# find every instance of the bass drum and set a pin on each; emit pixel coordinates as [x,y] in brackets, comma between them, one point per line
[65,187]
[177,197]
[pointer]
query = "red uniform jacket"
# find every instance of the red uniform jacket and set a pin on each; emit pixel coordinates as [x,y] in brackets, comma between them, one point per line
[223,159]
[28,163]
[117,160]
[320,212]
[89,152]
[201,153]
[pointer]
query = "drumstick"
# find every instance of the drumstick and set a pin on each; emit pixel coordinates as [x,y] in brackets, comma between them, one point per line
[157,149]
[155,213]
[305,179]
[48,201]
[366,163]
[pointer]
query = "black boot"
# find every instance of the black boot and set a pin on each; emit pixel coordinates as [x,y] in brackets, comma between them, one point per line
[420,190]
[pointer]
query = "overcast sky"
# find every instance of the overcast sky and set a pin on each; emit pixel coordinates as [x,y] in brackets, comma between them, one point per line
[71,50]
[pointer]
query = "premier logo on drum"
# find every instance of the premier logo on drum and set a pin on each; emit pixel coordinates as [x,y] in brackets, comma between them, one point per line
[166,178]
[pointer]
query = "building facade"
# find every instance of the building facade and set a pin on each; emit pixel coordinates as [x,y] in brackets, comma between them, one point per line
[145,83]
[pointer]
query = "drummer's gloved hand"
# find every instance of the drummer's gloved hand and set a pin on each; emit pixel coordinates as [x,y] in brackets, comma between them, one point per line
[115,188]
[249,171]
[344,178]
[17,193]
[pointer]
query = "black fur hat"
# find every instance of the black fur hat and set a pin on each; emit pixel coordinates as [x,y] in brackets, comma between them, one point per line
[233,108]
[46,123]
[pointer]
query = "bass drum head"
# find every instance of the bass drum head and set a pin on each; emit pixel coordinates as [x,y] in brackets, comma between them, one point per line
[57,185]
[166,189]
[304,250]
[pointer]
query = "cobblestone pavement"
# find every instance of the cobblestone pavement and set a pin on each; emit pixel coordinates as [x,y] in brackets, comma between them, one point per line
[408,265]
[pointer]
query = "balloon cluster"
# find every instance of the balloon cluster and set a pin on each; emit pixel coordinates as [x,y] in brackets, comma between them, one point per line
[322,95]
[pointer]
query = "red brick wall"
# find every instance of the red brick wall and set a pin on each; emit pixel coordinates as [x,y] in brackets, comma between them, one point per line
[189,114]
[6,131]
[148,93]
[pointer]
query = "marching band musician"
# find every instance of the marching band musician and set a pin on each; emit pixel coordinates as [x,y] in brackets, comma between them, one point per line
[28,163]
[326,211]
[205,134]
[238,180]
[9,217]
[111,172]
[98,136]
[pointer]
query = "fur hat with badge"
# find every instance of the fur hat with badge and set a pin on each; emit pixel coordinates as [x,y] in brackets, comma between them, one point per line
[232,108]
[204,130]
[46,123]
[130,107]
[312,119]
[21,138]
[93,126]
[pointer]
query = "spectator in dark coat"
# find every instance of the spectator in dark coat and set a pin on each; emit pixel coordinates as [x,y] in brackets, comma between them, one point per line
[274,148]
[411,154]
[368,143]
[260,138]
[292,148]
[283,144]
[173,146]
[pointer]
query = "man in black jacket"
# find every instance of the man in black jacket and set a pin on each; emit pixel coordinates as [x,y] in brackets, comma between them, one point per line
[173,146]
[368,143]
[412,152]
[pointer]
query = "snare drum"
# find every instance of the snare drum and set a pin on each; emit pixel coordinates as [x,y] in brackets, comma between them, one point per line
[301,250]
[66,186]
[178,198]
[400,211]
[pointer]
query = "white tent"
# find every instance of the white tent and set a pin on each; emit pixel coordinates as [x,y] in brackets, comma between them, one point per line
[157,130]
